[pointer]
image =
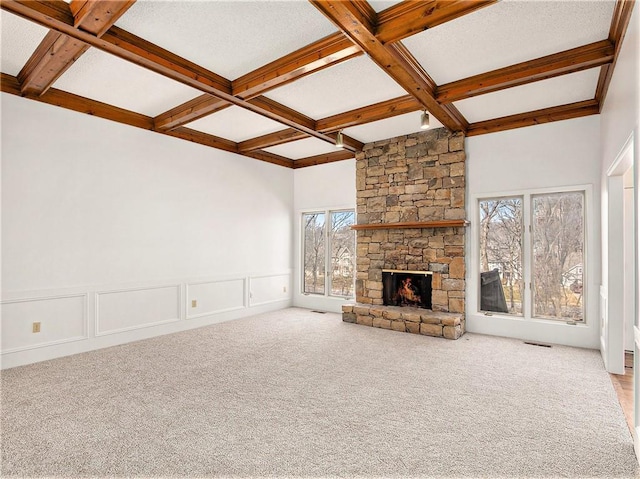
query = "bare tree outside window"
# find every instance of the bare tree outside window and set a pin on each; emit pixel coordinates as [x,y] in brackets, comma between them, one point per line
[343,240]
[329,246]
[501,253]
[314,252]
[558,249]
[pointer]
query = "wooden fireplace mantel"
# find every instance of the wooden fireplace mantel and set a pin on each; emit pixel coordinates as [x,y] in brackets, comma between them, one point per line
[411,225]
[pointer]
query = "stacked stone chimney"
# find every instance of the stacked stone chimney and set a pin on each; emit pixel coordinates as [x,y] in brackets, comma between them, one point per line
[411,179]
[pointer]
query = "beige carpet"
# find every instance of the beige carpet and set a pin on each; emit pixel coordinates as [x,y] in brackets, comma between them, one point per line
[300,394]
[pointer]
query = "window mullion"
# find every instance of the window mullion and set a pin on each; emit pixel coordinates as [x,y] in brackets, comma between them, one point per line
[327,253]
[527,310]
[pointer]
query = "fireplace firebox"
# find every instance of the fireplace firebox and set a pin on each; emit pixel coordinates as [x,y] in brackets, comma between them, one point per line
[406,288]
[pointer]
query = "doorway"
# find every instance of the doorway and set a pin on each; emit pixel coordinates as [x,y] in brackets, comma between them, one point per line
[618,308]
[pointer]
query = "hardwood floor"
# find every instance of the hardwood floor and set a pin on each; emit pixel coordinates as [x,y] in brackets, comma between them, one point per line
[623,384]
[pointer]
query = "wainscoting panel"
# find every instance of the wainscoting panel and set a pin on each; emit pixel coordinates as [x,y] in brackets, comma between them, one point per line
[215,297]
[62,319]
[125,310]
[269,289]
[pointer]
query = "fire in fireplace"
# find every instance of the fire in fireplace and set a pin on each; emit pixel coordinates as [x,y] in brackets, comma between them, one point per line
[406,288]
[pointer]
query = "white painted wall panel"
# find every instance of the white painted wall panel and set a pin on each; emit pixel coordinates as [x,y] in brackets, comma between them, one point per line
[331,186]
[96,206]
[94,202]
[125,310]
[269,289]
[629,268]
[620,123]
[61,319]
[215,297]
[553,155]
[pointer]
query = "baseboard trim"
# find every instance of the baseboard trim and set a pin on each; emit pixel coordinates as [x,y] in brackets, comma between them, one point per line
[53,351]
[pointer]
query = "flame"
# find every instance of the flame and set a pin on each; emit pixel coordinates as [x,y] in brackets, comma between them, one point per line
[408,292]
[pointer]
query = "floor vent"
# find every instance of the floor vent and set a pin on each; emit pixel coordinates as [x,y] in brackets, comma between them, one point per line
[537,344]
[319,312]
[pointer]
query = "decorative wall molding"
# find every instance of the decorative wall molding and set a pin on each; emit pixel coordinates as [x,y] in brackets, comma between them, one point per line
[103,294]
[96,332]
[28,318]
[191,289]
[262,291]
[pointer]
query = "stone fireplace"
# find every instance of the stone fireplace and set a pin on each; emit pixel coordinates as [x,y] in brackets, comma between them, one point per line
[411,218]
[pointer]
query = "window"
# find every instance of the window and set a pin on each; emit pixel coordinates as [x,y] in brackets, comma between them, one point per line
[501,268]
[558,246]
[548,255]
[328,253]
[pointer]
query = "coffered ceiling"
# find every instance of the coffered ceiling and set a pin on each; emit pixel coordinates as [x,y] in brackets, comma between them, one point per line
[276,80]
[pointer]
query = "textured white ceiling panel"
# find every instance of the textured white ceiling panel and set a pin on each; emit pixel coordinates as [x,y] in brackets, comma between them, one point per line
[379,5]
[533,96]
[19,39]
[506,33]
[346,86]
[236,124]
[390,127]
[103,77]
[230,38]
[303,148]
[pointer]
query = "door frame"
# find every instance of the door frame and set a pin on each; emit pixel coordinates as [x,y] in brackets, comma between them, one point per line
[612,321]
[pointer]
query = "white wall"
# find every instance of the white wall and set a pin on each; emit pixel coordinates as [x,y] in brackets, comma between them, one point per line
[620,111]
[330,186]
[561,154]
[629,268]
[109,232]
[619,119]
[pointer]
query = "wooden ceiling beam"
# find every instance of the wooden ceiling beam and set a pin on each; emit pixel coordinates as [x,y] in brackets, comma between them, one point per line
[206,104]
[56,15]
[270,158]
[410,17]
[143,53]
[322,159]
[367,114]
[57,52]
[69,101]
[202,138]
[10,84]
[546,115]
[278,110]
[97,16]
[272,139]
[332,124]
[324,53]
[619,23]
[310,59]
[357,21]
[287,136]
[189,111]
[562,63]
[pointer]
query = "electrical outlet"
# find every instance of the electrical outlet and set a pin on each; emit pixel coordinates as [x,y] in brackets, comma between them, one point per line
[194,303]
[36,327]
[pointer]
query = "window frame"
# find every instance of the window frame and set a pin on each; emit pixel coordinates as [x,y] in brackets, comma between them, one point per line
[523,226]
[303,250]
[531,229]
[328,267]
[527,195]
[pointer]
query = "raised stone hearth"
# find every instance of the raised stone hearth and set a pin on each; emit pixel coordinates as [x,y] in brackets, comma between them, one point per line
[409,320]
[411,216]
